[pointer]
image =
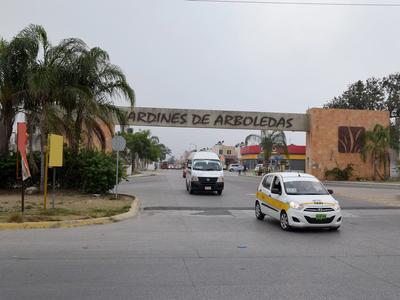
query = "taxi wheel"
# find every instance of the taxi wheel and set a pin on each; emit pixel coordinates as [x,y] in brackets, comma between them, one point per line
[259,214]
[284,221]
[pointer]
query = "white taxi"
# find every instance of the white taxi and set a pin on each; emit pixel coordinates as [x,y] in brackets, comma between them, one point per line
[297,200]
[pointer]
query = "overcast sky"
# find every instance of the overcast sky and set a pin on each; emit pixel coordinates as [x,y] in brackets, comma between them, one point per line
[225,56]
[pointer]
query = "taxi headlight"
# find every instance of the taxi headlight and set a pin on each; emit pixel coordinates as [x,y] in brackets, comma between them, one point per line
[195,178]
[220,179]
[295,205]
[336,207]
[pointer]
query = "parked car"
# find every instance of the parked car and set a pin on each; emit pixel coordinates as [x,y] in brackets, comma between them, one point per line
[297,200]
[233,167]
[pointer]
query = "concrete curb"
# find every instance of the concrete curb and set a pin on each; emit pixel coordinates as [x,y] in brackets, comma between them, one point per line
[136,204]
[363,183]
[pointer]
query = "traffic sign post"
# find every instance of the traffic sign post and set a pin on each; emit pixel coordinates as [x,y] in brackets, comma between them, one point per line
[118,143]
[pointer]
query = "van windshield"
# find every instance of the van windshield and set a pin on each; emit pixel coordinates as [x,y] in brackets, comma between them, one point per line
[207,165]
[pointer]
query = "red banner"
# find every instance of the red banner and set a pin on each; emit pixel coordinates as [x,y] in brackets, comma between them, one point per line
[22,140]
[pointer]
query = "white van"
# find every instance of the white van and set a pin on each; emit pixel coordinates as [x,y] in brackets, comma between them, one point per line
[204,173]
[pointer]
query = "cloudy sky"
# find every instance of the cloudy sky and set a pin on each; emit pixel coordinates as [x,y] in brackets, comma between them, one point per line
[242,56]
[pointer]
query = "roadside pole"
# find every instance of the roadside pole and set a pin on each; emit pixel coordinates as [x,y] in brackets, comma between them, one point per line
[118,143]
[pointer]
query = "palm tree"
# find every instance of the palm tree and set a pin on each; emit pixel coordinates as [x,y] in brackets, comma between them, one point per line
[269,139]
[49,83]
[16,59]
[376,143]
[97,81]
[68,87]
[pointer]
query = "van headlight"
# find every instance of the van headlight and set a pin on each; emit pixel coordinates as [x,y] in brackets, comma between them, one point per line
[220,179]
[295,205]
[195,178]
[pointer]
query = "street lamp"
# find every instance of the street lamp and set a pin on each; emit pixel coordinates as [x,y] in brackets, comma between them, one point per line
[194,146]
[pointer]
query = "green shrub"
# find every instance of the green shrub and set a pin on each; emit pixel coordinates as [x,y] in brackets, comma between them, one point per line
[339,174]
[15,217]
[91,171]
[8,171]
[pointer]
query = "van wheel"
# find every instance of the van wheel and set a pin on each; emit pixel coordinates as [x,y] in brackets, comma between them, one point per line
[219,192]
[231,170]
[285,221]
[259,214]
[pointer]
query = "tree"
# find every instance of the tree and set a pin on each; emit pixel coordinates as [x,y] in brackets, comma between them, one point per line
[374,94]
[160,149]
[98,81]
[391,89]
[16,60]
[172,160]
[48,83]
[139,145]
[360,95]
[68,90]
[269,139]
[376,143]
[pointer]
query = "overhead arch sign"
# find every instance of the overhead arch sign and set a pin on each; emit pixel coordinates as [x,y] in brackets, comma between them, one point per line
[221,119]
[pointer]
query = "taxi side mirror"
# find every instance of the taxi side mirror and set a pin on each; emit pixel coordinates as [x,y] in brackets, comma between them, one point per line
[330,191]
[275,191]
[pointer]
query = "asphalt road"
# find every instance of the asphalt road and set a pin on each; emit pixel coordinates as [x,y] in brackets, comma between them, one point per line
[206,246]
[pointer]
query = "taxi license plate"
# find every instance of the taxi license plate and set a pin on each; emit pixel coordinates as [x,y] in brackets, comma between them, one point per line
[320,216]
[207,188]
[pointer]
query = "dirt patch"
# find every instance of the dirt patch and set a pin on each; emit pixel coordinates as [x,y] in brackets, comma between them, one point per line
[68,205]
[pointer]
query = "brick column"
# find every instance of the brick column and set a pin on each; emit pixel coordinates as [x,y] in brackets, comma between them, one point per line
[322,141]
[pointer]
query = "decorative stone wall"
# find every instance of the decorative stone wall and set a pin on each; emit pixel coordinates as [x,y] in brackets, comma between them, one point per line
[325,151]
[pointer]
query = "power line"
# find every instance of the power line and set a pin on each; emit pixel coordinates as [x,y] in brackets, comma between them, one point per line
[301,3]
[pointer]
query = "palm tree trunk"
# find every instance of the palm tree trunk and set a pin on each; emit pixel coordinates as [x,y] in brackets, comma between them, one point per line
[6,125]
[42,162]
[375,167]
[384,169]
[43,142]
[4,141]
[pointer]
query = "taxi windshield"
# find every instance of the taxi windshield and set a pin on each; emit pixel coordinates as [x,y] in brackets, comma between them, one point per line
[305,188]
[207,165]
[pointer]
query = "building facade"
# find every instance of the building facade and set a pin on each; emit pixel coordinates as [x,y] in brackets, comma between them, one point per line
[252,155]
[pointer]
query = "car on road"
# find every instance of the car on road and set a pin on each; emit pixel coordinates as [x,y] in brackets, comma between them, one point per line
[297,200]
[233,167]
